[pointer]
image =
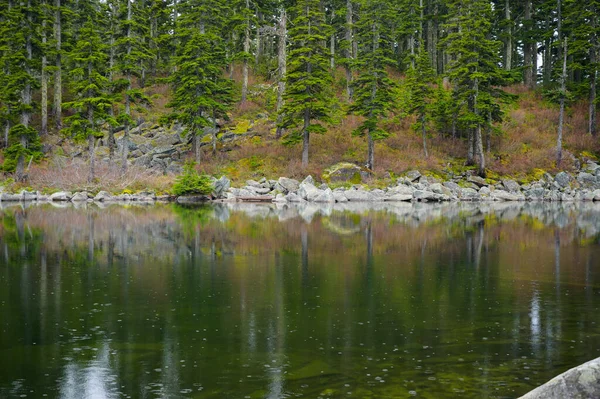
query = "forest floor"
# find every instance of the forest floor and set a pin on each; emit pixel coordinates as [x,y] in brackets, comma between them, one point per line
[523,146]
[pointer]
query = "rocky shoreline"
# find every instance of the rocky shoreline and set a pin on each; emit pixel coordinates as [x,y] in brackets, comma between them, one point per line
[412,187]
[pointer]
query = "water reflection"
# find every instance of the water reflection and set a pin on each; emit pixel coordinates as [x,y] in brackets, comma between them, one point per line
[270,301]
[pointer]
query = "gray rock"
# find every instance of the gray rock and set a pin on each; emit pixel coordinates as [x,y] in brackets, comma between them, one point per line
[581,382]
[563,179]
[339,196]
[80,197]
[413,175]
[309,179]
[280,198]
[220,187]
[174,169]
[7,197]
[254,183]
[258,190]
[166,150]
[401,189]
[308,191]
[421,195]
[501,195]
[479,181]
[484,191]
[452,186]
[359,196]
[597,195]
[289,185]
[143,161]
[28,195]
[469,194]
[293,197]
[400,198]
[61,196]
[103,196]
[587,180]
[325,196]
[511,186]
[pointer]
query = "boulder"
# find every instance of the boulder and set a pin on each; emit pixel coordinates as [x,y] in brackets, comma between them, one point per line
[479,181]
[597,195]
[346,172]
[103,196]
[6,197]
[308,192]
[399,198]
[309,179]
[280,198]
[413,175]
[28,195]
[401,189]
[501,195]
[563,179]
[587,180]
[339,196]
[359,196]
[452,186]
[61,196]
[421,195]
[293,197]
[579,382]
[288,185]
[220,187]
[80,197]
[469,194]
[325,196]
[511,186]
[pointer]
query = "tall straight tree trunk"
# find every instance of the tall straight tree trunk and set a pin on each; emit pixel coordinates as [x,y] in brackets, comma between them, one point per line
[282,64]
[197,151]
[478,138]
[348,51]
[26,93]
[370,151]
[111,63]
[44,74]
[259,38]
[593,77]
[305,138]
[246,54]
[58,66]
[370,141]
[528,48]
[561,115]
[509,39]
[125,141]
[424,134]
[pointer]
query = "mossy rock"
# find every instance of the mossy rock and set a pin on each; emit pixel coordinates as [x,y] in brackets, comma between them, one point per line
[242,127]
[345,172]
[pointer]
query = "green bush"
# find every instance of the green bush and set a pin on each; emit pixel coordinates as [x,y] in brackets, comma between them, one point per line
[190,182]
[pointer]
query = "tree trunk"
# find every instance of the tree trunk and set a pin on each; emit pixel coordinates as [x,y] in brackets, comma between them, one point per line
[593,77]
[125,140]
[479,149]
[282,63]
[91,144]
[246,55]
[197,151]
[305,138]
[371,151]
[44,75]
[348,51]
[528,48]
[58,66]
[509,38]
[561,115]
[332,53]
[26,95]
[424,134]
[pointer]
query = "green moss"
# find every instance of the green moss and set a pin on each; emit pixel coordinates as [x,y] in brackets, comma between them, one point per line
[242,127]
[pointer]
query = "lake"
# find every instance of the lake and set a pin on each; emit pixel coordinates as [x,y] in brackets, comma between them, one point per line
[264,301]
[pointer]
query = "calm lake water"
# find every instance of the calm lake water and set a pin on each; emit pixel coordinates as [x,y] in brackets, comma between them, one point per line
[265,301]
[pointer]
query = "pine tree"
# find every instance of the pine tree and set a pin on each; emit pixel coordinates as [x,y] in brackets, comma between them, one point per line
[308,95]
[201,93]
[419,83]
[373,89]
[474,70]
[90,86]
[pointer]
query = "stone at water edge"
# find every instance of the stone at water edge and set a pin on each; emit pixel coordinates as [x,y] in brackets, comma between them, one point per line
[61,196]
[480,181]
[511,186]
[400,198]
[325,196]
[581,382]
[280,198]
[563,179]
[288,185]
[220,187]
[359,196]
[339,196]
[79,197]
[103,196]
[308,191]
[309,180]
[413,175]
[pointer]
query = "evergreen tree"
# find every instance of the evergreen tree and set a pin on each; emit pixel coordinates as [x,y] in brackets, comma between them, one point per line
[308,95]
[201,93]
[419,83]
[474,70]
[373,89]
[90,86]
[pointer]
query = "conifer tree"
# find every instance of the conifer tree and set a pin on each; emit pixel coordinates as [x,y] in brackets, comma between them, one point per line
[90,86]
[308,95]
[373,89]
[201,93]
[419,83]
[474,71]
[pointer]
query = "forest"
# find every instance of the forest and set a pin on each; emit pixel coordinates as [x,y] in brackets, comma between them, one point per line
[456,77]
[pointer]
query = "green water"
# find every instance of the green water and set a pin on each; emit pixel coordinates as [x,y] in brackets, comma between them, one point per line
[388,301]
